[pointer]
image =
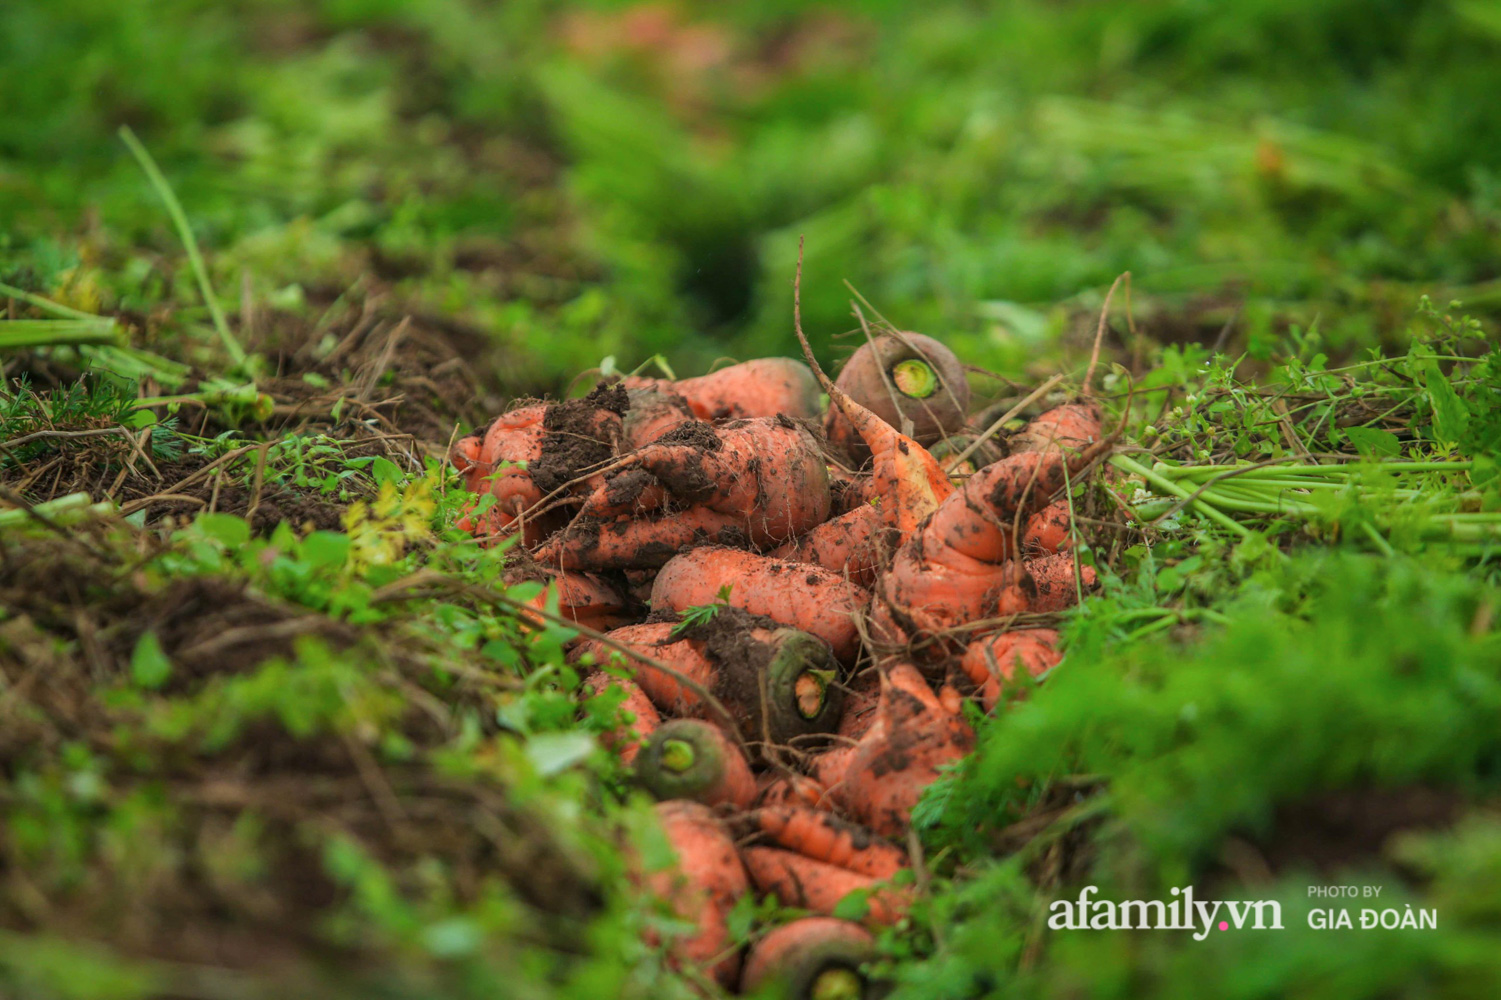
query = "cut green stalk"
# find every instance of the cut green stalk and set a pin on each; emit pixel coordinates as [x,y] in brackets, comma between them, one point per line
[1273,471]
[44,304]
[1200,504]
[18,334]
[242,397]
[64,510]
[136,364]
[189,242]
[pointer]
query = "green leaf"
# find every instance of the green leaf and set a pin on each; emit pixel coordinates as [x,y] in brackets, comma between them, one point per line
[385,471]
[326,549]
[1373,442]
[1450,418]
[149,666]
[853,906]
[554,753]
[228,529]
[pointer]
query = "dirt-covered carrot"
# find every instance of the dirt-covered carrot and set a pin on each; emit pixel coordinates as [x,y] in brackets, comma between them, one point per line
[753,482]
[653,412]
[862,702]
[534,450]
[908,483]
[777,683]
[829,769]
[918,735]
[993,660]
[583,598]
[657,641]
[960,567]
[906,376]
[821,835]
[1048,531]
[791,789]
[1072,427]
[642,717]
[706,882]
[814,958]
[850,544]
[692,759]
[764,387]
[798,595]
[848,490]
[796,880]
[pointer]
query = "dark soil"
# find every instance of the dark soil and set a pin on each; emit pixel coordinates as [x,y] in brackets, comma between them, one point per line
[239,778]
[695,434]
[582,435]
[1344,828]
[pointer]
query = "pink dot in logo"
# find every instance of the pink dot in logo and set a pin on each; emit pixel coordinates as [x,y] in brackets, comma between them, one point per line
[1224,925]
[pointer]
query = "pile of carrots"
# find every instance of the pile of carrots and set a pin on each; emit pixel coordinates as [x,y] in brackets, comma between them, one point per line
[795,603]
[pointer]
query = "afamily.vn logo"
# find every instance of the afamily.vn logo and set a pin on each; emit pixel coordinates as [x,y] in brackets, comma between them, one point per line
[1183,913]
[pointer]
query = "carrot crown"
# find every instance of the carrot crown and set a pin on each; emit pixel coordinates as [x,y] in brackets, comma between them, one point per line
[915,378]
[837,984]
[678,755]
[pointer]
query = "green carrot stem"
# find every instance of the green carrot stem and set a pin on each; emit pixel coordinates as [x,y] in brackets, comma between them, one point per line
[1200,504]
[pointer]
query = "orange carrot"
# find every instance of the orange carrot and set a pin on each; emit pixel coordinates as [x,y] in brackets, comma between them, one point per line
[1051,584]
[991,661]
[656,640]
[959,568]
[495,463]
[791,790]
[582,598]
[1073,427]
[653,412]
[750,482]
[764,387]
[849,490]
[691,759]
[848,544]
[814,885]
[706,882]
[829,769]
[823,836]
[775,683]
[534,450]
[641,717]
[918,735]
[861,705]
[799,595]
[1047,531]
[814,958]
[909,481]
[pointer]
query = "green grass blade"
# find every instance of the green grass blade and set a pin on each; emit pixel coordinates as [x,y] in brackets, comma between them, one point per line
[190,244]
[44,304]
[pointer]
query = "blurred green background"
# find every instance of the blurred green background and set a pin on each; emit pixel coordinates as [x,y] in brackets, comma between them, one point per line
[576,181]
[581,180]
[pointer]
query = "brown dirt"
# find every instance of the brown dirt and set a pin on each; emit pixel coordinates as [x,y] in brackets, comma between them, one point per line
[582,434]
[696,434]
[1344,828]
[78,604]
